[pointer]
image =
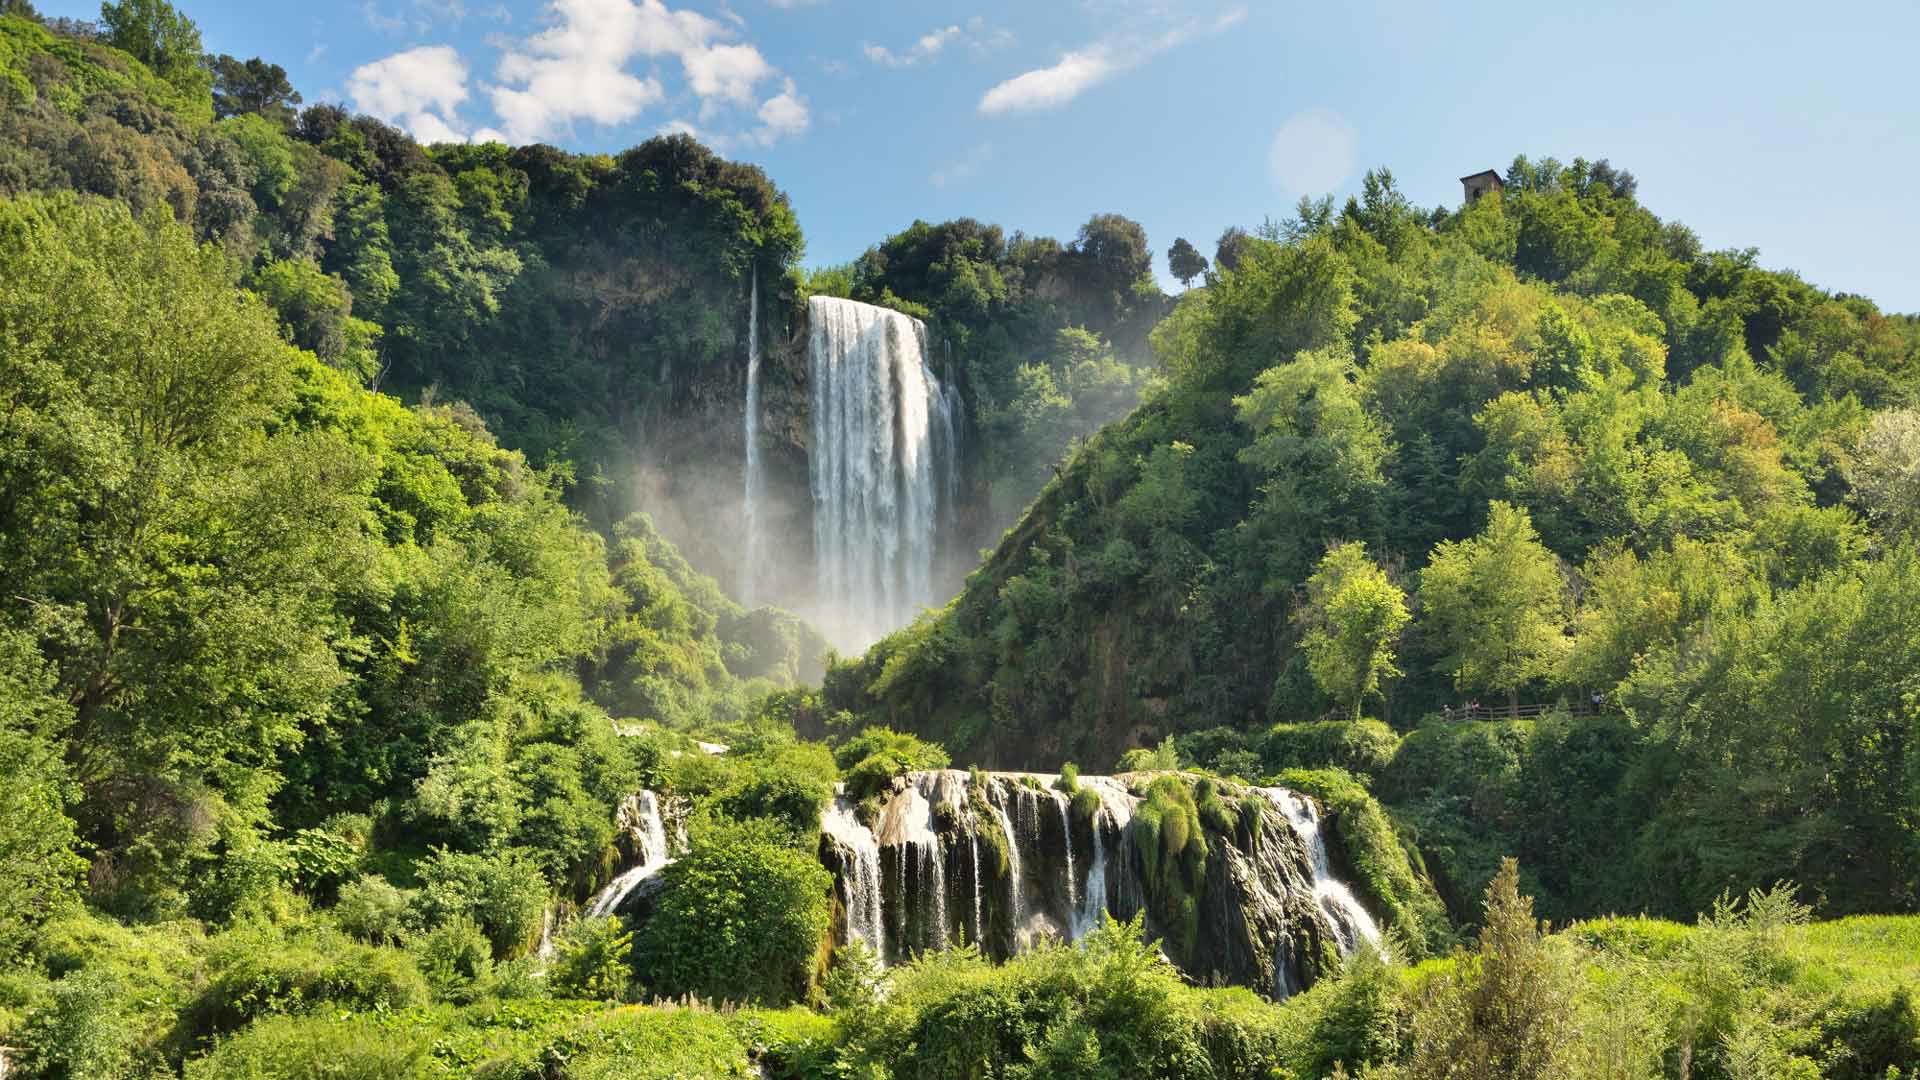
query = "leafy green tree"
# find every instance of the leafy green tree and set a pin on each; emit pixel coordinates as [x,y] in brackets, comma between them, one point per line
[1185,261]
[1353,618]
[1886,474]
[1505,1011]
[160,37]
[741,919]
[183,554]
[252,86]
[36,835]
[1497,604]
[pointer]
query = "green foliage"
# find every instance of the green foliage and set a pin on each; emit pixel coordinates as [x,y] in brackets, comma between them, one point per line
[372,910]
[1140,759]
[504,893]
[455,956]
[742,919]
[1495,603]
[1170,835]
[319,1048]
[594,959]
[1353,619]
[255,970]
[36,835]
[790,784]
[1363,747]
[872,758]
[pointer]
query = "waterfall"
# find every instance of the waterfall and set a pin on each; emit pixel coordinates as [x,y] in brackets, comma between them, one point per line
[750,561]
[860,877]
[1066,828]
[640,816]
[979,924]
[1094,904]
[1274,915]
[1351,923]
[1013,868]
[936,861]
[880,418]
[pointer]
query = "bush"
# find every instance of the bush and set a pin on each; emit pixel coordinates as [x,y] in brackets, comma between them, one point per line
[257,971]
[789,784]
[317,1048]
[1159,759]
[373,910]
[1365,747]
[594,959]
[455,956]
[87,1029]
[742,918]
[654,1044]
[872,758]
[505,893]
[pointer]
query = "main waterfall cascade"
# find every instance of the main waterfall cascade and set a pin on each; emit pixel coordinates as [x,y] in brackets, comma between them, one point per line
[927,873]
[883,467]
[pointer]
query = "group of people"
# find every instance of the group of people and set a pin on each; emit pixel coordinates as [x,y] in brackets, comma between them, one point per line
[1474,711]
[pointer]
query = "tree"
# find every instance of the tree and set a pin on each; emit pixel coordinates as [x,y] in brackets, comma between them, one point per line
[1505,1011]
[1497,604]
[741,918]
[252,86]
[181,553]
[1231,247]
[1353,619]
[1886,474]
[1185,261]
[159,37]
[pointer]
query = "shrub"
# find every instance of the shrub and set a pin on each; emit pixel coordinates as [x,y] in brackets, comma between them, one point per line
[455,956]
[789,784]
[373,910]
[257,970]
[1159,759]
[317,1048]
[1359,746]
[872,758]
[594,959]
[741,919]
[654,1044]
[505,893]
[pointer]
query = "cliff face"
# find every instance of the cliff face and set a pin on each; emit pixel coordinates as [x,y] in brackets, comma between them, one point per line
[1006,859]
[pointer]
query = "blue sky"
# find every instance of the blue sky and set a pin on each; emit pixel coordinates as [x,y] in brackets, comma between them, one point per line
[1790,128]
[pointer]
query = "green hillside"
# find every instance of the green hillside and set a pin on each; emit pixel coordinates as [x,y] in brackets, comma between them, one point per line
[1542,450]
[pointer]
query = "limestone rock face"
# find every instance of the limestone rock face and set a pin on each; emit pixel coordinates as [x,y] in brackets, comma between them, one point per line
[1010,859]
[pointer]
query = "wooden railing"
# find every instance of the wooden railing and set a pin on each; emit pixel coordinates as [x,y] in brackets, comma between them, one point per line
[1531,711]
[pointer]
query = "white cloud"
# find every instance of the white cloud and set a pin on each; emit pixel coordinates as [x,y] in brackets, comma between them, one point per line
[418,89]
[1081,69]
[576,69]
[782,116]
[1051,87]
[964,169]
[926,48]
[1313,153]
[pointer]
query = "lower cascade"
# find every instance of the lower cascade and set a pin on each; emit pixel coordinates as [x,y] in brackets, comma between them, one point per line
[643,820]
[1006,860]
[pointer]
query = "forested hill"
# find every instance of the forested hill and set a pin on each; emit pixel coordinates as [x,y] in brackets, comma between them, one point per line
[1537,449]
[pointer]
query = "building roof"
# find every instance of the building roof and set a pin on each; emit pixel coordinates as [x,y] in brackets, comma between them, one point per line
[1484,172]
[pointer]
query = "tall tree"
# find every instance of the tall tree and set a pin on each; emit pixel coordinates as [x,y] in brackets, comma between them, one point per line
[1185,261]
[159,37]
[252,86]
[1497,604]
[1353,618]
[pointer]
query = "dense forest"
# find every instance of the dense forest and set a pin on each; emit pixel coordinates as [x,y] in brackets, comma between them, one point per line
[1570,567]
